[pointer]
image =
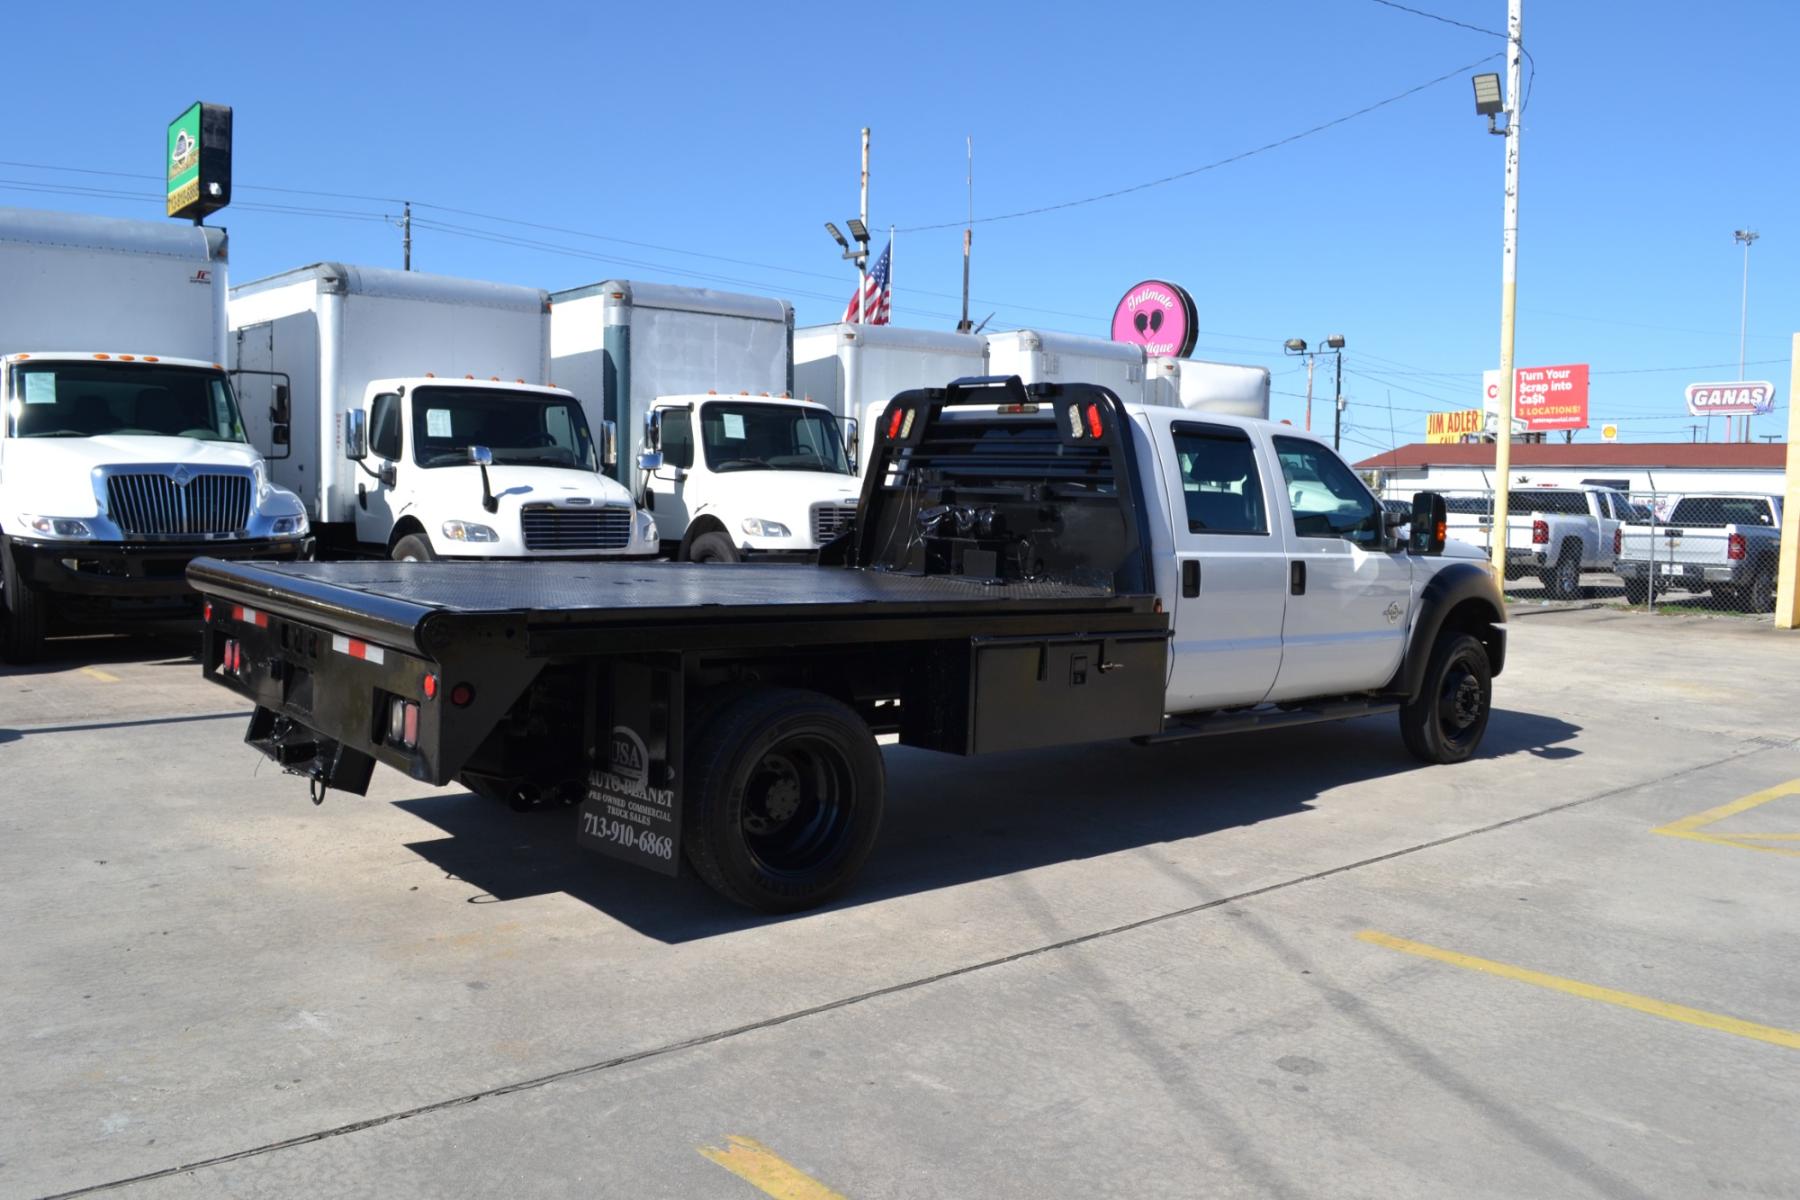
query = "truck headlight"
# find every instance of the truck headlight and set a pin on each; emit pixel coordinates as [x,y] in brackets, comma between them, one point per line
[469,531]
[756,527]
[56,527]
[296,526]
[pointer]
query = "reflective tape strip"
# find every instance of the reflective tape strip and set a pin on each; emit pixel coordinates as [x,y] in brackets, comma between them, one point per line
[357,649]
[250,615]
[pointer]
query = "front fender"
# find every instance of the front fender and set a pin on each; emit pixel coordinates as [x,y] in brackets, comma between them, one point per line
[1463,596]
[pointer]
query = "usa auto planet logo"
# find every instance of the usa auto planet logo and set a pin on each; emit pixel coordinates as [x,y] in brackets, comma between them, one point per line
[182,152]
[630,759]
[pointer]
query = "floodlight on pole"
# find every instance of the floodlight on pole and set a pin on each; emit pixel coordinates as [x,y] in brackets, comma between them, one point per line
[1335,341]
[858,230]
[1294,346]
[836,236]
[1488,101]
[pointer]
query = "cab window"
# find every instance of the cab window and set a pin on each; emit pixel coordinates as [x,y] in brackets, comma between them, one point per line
[1219,481]
[384,426]
[1327,498]
[678,437]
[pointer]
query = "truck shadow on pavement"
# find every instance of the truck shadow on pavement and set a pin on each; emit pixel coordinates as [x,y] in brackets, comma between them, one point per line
[951,821]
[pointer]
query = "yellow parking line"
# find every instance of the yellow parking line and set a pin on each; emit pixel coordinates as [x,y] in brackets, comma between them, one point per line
[1588,991]
[102,676]
[764,1170]
[1690,827]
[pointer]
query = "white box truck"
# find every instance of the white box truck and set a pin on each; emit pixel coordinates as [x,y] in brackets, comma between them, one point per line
[730,464]
[1239,391]
[1037,357]
[424,423]
[854,370]
[122,450]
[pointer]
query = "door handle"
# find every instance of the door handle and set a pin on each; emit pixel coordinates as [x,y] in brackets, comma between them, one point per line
[1297,578]
[1190,578]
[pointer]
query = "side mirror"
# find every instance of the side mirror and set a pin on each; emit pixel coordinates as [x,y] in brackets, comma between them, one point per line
[387,474]
[1429,523]
[653,431]
[278,435]
[609,443]
[481,456]
[852,437]
[356,435]
[279,407]
[650,460]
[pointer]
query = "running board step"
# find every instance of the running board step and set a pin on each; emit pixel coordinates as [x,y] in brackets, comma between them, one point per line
[1178,729]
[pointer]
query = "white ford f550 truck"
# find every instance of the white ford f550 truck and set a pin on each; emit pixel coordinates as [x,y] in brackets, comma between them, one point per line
[1029,567]
[122,449]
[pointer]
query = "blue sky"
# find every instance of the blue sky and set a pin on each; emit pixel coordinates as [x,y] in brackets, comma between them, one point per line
[710,132]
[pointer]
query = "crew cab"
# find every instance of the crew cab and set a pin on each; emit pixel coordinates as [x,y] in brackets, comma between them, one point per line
[1724,544]
[1027,567]
[1552,532]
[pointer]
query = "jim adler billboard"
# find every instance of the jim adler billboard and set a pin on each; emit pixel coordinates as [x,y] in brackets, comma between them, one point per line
[1751,398]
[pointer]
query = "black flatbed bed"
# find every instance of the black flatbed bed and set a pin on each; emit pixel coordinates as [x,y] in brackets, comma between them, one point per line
[575,606]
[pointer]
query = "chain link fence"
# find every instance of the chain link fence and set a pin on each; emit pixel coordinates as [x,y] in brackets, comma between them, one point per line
[1668,552]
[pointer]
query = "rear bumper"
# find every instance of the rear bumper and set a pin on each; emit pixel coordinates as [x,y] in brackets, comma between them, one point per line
[1637,571]
[151,571]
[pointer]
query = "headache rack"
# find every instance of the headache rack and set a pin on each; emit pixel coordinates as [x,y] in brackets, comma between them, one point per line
[996,481]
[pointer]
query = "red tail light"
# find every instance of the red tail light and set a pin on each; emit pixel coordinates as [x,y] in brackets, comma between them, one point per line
[462,695]
[1093,420]
[206,612]
[1618,542]
[894,424]
[1735,548]
[1540,533]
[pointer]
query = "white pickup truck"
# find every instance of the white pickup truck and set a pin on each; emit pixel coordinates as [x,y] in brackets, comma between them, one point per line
[1552,532]
[1723,544]
[1028,568]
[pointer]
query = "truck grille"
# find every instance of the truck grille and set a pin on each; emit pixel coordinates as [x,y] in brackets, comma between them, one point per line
[548,528]
[165,504]
[829,520]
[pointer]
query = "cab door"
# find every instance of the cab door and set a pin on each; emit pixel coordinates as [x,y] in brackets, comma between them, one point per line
[375,502]
[1349,599]
[666,488]
[1231,569]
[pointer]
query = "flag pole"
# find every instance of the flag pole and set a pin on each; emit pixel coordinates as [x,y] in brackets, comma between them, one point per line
[862,263]
[963,326]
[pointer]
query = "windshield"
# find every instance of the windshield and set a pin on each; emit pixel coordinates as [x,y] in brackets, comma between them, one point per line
[520,428]
[95,399]
[771,437]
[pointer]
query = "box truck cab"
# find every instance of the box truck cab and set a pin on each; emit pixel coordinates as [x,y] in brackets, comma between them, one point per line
[424,423]
[730,478]
[122,449]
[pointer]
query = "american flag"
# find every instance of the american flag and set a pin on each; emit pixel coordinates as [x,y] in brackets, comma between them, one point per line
[877,293]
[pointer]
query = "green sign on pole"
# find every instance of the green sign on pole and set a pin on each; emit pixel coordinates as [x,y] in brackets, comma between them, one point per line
[184,162]
[198,161]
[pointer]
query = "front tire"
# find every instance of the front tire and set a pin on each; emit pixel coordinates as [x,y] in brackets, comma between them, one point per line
[24,617]
[1445,722]
[412,548]
[712,547]
[784,799]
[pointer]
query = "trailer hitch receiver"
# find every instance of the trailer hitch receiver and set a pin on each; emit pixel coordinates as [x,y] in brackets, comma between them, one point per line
[326,762]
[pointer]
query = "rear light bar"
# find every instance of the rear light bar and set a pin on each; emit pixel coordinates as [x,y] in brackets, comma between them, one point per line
[403,724]
[1540,533]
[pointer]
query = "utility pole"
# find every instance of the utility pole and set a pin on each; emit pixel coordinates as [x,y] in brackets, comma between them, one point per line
[406,235]
[964,325]
[1337,428]
[1745,236]
[862,272]
[1509,281]
[1309,374]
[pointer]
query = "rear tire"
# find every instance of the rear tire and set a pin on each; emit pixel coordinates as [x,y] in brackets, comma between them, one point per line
[784,799]
[24,617]
[712,547]
[1564,583]
[412,548]
[1637,591]
[1445,722]
[1759,594]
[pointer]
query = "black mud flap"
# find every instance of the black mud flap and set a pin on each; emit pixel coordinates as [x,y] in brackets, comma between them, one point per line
[632,810]
[301,751]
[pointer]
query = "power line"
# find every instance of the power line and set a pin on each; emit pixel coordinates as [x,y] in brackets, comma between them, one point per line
[1530,62]
[1211,166]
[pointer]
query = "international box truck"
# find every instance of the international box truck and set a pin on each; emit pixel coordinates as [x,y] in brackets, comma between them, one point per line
[123,452]
[1212,387]
[1039,357]
[854,370]
[424,423]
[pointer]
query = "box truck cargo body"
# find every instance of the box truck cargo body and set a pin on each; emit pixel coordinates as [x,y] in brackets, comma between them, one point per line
[854,370]
[1037,357]
[122,448]
[621,344]
[396,382]
[1208,386]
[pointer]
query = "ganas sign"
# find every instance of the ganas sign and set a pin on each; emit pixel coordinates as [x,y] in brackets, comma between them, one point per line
[1752,397]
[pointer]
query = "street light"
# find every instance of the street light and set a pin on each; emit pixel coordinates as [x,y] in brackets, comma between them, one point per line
[1334,343]
[1746,236]
[1488,102]
[858,254]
